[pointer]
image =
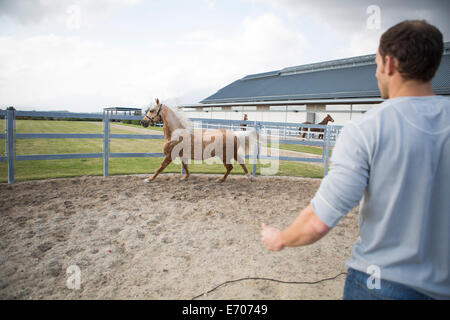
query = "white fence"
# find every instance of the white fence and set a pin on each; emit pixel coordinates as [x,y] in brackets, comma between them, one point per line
[289,132]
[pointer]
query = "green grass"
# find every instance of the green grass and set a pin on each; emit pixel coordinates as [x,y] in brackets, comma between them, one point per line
[299,148]
[43,169]
[299,169]
[138,126]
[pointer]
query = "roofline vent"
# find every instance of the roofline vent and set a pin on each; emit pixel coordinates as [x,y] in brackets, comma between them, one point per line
[333,64]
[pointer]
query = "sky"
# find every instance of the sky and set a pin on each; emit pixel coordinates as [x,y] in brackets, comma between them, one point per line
[84,55]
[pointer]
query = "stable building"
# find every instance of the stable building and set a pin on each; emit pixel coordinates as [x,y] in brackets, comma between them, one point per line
[307,92]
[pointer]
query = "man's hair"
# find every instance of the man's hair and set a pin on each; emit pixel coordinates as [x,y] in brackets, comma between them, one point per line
[416,45]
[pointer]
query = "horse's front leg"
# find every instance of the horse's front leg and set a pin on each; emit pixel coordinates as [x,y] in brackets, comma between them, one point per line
[186,172]
[167,160]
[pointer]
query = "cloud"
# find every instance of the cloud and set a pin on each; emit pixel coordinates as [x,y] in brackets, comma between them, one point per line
[349,16]
[348,20]
[210,3]
[263,42]
[361,43]
[72,73]
[67,71]
[37,11]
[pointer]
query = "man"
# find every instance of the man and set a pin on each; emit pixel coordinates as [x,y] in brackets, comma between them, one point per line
[244,125]
[396,157]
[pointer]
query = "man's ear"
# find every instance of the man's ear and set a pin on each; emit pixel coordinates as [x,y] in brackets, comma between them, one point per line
[390,64]
[157,101]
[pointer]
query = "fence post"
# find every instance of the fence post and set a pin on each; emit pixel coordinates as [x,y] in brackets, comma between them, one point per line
[256,149]
[327,150]
[6,134]
[324,143]
[105,143]
[323,146]
[11,137]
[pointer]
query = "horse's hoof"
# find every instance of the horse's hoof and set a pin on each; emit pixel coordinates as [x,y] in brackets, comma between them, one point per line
[147,180]
[220,180]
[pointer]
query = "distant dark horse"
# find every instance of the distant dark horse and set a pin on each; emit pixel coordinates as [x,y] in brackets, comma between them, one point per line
[327,119]
[244,125]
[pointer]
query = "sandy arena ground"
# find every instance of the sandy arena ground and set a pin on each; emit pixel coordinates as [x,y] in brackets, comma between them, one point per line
[169,239]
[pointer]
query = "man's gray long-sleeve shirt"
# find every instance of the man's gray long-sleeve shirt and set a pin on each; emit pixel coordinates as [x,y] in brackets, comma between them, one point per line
[396,159]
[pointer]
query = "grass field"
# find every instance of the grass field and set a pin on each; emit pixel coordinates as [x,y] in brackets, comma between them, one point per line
[299,148]
[42,169]
[138,126]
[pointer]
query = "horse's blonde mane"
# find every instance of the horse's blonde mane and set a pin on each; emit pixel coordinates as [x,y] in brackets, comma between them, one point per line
[179,113]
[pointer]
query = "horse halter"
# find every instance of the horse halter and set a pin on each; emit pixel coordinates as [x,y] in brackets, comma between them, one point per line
[157,113]
[159,110]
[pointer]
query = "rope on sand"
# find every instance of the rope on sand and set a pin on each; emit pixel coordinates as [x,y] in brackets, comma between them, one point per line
[268,279]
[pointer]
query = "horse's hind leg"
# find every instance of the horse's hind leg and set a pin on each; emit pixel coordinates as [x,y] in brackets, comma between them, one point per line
[186,172]
[320,134]
[229,167]
[239,160]
[167,160]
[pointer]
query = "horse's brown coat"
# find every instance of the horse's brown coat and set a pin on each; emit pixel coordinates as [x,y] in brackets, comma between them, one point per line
[327,119]
[178,138]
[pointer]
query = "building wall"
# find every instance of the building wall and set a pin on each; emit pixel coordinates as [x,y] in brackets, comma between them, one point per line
[279,115]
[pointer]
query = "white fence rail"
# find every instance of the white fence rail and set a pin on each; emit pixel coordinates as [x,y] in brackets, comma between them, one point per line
[290,134]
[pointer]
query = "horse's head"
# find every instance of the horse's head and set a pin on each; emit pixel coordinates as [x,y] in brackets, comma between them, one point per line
[152,115]
[329,118]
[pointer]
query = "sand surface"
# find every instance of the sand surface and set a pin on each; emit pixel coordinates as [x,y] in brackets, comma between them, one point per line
[169,239]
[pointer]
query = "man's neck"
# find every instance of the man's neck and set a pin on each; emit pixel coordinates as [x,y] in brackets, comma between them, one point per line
[411,88]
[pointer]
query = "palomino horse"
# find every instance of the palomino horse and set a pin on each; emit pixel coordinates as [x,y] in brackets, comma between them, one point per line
[196,144]
[327,119]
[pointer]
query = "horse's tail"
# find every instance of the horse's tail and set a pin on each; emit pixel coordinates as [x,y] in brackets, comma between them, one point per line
[247,140]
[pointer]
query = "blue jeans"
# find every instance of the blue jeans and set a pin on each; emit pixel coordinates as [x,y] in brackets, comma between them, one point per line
[356,289]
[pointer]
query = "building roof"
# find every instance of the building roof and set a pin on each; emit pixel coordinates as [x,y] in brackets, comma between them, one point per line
[121,109]
[342,80]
